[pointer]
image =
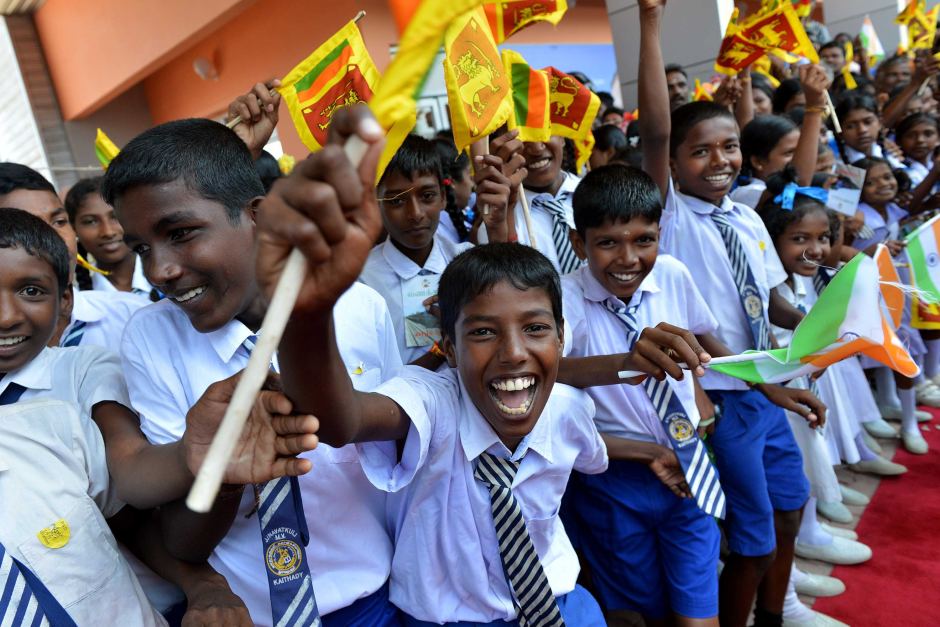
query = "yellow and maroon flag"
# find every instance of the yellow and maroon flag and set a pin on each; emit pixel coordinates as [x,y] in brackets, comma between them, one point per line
[922,29]
[736,53]
[912,9]
[572,109]
[478,91]
[701,92]
[530,99]
[779,31]
[507,17]
[105,149]
[338,74]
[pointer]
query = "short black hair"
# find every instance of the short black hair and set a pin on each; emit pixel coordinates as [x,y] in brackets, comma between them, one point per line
[607,100]
[615,110]
[913,120]
[785,92]
[78,192]
[268,169]
[478,269]
[21,229]
[853,100]
[615,193]
[689,115]
[207,157]
[761,135]
[14,176]
[775,217]
[608,136]
[415,157]
[762,83]
[832,44]
[675,67]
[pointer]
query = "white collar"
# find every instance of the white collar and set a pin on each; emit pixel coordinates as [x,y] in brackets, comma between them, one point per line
[34,375]
[405,268]
[566,189]
[597,293]
[225,341]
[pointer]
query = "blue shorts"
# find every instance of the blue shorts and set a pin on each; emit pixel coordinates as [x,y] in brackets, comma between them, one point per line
[649,551]
[578,609]
[374,610]
[761,468]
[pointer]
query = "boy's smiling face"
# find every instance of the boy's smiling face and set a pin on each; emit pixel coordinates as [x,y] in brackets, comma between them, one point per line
[543,164]
[48,207]
[507,349]
[29,306]
[411,209]
[707,162]
[620,254]
[193,253]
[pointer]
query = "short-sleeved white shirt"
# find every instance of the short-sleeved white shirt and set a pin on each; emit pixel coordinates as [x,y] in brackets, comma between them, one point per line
[104,313]
[749,194]
[53,467]
[688,233]
[542,221]
[168,366]
[882,229]
[386,269]
[447,565]
[667,294]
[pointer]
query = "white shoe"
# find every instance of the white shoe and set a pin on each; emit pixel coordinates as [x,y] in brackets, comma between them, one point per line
[834,511]
[927,393]
[894,413]
[853,497]
[936,379]
[871,442]
[839,551]
[841,532]
[914,443]
[818,620]
[819,585]
[881,429]
[878,466]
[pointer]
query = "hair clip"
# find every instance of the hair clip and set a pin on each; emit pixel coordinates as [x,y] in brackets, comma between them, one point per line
[790,190]
[448,182]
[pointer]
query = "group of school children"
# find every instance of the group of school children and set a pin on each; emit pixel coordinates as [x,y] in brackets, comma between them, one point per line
[445,438]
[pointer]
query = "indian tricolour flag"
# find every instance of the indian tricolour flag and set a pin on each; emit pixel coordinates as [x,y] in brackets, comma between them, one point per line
[870,41]
[530,99]
[849,318]
[923,252]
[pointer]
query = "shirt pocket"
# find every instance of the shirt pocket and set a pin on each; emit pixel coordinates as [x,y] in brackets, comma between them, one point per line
[81,567]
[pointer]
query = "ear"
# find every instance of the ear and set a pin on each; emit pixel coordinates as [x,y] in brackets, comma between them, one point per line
[252,209]
[757,163]
[66,302]
[561,337]
[450,351]
[578,244]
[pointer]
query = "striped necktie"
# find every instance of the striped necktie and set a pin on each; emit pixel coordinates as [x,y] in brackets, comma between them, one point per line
[821,280]
[744,280]
[11,394]
[73,335]
[700,473]
[284,534]
[24,600]
[567,259]
[532,594]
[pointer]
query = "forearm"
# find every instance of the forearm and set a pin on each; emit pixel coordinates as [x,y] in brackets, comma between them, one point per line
[782,313]
[192,537]
[807,148]
[584,372]
[744,107]
[631,450]
[653,98]
[922,191]
[150,476]
[713,346]
[892,111]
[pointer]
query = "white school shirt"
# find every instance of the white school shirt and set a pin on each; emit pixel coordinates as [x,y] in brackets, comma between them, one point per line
[688,233]
[917,171]
[168,366]
[749,194]
[139,282]
[447,565]
[541,219]
[882,229]
[104,313]
[802,296]
[386,269]
[53,467]
[667,294]
[854,155]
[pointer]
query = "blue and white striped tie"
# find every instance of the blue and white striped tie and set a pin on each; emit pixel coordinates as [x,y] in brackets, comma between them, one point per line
[750,296]
[700,474]
[284,534]
[73,335]
[821,280]
[25,600]
[530,588]
[567,259]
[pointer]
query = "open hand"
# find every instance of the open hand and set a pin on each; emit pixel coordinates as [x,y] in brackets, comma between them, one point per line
[661,349]
[258,110]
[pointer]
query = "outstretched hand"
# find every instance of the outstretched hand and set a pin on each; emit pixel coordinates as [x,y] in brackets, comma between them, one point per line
[327,209]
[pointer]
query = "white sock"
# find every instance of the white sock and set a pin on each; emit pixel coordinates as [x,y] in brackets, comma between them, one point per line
[864,452]
[908,406]
[811,532]
[793,608]
[932,360]
[885,388]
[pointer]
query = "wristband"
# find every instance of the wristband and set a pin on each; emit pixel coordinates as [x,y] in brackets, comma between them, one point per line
[704,422]
[823,109]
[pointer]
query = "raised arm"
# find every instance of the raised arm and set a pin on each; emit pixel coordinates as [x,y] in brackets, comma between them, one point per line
[815,82]
[327,209]
[653,95]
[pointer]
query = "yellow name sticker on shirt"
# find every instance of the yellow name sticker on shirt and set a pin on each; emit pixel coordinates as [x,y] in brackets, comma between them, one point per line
[762,245]
[56,535]
[360,368]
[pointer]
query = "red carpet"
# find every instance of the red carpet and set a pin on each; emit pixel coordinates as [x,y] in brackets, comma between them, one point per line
[898,586]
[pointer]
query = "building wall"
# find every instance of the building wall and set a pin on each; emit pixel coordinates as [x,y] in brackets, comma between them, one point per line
[122,119]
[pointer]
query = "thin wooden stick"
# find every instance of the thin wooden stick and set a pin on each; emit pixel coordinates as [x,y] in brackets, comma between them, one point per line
[832,114]
[715,361]
[238,119]
[209,480]
[527,216]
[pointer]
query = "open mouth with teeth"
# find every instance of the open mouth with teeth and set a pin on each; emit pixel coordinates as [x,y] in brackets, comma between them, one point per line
[624,277]
[12,341]
[189,294]
[513,396]
[538,164]
[719,180]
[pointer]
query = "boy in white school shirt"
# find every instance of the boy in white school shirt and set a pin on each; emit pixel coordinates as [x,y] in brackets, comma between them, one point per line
[187,195]
[491,438]
[54,478]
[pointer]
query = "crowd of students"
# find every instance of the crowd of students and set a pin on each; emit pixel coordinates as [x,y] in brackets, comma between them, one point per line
[445,438]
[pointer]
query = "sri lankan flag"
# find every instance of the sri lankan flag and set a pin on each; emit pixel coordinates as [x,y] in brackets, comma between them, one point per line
[736,53]
[779,31]
[478,91]
[910,11]
[701,92]
[105,149]
[507,17]
[530,97]
[572,109]
[338,74]
[922,30]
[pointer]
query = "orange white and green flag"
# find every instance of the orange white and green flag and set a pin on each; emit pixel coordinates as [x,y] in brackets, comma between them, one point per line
[478,90]
[572,109]
[530,98]
[507,17]
[848,319]
[105,149]
[923,251]
[338,74]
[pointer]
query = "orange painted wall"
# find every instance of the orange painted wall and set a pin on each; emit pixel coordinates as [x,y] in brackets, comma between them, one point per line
[96,49]
[269,37]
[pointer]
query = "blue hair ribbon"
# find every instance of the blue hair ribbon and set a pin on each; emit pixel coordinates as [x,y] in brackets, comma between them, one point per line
[790,190]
